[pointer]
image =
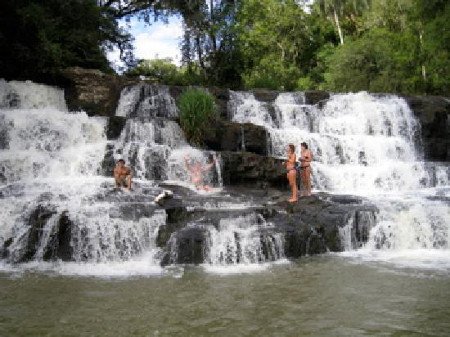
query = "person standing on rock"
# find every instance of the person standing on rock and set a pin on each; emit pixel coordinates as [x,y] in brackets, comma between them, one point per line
[305,169]
[291,172]
[122,175]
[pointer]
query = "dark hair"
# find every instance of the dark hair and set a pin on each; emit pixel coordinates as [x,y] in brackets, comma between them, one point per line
[304,145]
[121,161]
[292,147]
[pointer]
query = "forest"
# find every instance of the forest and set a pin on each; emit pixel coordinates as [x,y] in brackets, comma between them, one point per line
[396,46]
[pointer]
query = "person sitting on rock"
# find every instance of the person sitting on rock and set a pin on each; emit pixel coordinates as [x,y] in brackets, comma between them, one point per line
[196,170]
[122,175]
[305,171]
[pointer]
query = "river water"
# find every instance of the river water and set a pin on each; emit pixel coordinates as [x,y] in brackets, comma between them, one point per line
[315,296]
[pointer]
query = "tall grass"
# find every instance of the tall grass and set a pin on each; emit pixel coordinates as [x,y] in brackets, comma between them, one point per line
[197,112]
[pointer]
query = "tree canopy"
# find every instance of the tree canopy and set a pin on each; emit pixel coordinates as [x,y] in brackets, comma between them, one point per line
[339,45]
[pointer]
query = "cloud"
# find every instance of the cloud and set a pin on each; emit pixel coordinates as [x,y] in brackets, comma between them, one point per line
[159,40]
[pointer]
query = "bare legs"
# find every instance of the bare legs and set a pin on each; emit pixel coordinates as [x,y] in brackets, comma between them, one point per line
[305,175]
[292,178]
[124,181]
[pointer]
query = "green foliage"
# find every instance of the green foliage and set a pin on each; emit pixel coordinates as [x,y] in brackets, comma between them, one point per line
[40,37]
[163,71]
[279,43]
[380,61]
[197,111]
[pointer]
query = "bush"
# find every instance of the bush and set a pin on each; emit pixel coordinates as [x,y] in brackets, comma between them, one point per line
[197,112]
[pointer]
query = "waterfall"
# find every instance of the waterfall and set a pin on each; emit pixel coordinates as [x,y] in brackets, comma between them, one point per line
[55,203]
[152,142]
[367,145]
[245,239]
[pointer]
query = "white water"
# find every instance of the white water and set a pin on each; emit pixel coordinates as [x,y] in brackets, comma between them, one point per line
[362,145]
[153,143]
[369,146]
[244,240]
[52,158]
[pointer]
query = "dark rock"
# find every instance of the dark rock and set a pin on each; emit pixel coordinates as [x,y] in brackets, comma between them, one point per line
[36,222]
[187,246]
[115,127]
[59,244]
[250,168]
[264,95]
[433,114]
[230,136]
[315,96]
[91,90]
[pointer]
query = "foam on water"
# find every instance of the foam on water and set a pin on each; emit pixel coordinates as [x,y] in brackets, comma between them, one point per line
[365,145]
[244,240]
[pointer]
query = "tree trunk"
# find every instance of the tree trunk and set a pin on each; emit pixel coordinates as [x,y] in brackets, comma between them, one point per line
[424,70]
[199,50]
[338,26]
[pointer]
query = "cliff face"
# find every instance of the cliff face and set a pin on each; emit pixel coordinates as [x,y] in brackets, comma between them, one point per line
[98,94]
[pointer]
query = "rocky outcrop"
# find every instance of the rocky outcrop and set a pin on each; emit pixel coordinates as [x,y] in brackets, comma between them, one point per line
[316,96]
[187,222]
[59,245]
[433,114]
[93,91]
[254,169]
[314,225]
[230,136]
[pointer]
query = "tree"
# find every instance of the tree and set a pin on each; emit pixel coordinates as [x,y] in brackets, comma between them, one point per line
[279,43]
[40,37]
[337,10]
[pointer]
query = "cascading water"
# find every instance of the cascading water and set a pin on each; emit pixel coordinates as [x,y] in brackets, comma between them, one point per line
[365,145]
[152,142]
[55,203]
[246,239]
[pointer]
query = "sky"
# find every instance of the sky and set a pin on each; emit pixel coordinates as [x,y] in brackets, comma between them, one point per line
[159,40]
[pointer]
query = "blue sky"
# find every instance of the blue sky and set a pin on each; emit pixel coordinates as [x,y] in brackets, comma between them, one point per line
[159,40]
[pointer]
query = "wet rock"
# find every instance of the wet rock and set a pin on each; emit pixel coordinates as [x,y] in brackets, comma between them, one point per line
[264,95]
[315,96]
[108,162]
[59,245]
[433,114]
[115,127]
[230,136]
[253,169]
[36,222]
[187,246]
[91,90]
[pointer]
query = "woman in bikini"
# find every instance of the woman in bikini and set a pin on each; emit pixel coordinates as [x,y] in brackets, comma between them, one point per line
[305,173]
[291,171]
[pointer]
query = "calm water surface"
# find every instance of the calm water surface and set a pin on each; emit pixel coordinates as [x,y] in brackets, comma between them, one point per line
[318,296]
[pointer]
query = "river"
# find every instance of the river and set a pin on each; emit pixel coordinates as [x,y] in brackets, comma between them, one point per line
[315,296]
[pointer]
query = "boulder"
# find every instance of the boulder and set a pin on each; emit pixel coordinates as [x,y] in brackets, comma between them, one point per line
[59,245]
[231,136]
[93,91]
[254,169]
[315,96]
[115,127]
[314,225]
[433,114]
[36,223]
